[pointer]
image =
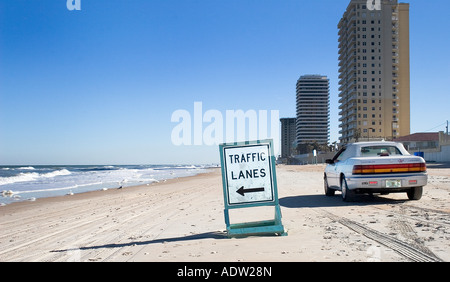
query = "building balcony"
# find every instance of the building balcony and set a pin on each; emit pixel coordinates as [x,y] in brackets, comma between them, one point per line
[351,63]
[352,28]
[352,125]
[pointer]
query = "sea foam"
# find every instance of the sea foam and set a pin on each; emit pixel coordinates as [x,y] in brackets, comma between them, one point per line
[31,176]
[42,181]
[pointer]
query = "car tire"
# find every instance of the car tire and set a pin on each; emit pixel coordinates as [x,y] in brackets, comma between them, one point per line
[328,191]
[347,194]
[415,193]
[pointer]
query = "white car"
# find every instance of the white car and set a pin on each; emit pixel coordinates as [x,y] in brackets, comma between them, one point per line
[375,167]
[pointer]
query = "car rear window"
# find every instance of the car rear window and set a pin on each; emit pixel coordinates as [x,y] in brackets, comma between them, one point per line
[374,151]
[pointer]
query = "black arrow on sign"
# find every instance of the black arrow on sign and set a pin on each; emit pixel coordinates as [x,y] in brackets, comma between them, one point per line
[242,191]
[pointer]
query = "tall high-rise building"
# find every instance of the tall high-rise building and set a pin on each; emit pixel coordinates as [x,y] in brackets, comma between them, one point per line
[313,110]
[287,136]
[374,76]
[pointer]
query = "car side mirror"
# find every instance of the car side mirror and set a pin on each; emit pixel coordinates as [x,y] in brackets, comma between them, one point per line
[329,161]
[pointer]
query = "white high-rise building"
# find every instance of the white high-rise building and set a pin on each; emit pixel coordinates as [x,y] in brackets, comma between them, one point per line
[313,110]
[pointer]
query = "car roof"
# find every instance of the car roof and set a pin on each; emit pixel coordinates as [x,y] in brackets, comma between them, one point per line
[374,143]
[353,148]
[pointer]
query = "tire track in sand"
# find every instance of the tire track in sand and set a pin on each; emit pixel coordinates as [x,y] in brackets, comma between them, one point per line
[410,252]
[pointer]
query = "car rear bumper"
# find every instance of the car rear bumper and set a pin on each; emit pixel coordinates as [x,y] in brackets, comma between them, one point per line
[387,182]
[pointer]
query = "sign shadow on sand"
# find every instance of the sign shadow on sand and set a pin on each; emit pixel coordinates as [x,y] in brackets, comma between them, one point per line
[201,236]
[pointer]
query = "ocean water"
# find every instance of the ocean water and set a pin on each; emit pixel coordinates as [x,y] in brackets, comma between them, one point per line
[28,183]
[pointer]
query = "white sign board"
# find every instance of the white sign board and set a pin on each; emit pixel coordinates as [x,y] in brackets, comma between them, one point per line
[248,174]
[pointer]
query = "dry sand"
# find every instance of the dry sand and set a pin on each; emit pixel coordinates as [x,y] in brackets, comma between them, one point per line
[182,220]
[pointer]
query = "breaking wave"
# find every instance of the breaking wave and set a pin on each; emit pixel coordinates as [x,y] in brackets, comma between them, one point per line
[41,181]
[32,176]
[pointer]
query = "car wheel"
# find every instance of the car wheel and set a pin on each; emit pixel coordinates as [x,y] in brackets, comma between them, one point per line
[328,190]
[415,193]
[347,194]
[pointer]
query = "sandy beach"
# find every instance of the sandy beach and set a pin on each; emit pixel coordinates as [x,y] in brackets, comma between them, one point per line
[182,220]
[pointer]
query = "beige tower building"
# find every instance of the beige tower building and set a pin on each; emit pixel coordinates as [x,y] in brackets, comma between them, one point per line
[374,77]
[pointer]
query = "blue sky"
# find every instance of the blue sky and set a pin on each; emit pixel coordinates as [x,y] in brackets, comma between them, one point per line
[99,86]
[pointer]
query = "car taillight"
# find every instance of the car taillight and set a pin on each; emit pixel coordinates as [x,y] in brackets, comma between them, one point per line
[391,168]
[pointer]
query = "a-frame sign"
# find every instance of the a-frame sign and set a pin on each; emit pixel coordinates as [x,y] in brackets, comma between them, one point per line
[249,180]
